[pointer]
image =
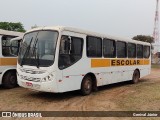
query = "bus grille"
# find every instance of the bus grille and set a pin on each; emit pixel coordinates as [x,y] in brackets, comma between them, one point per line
[30,78]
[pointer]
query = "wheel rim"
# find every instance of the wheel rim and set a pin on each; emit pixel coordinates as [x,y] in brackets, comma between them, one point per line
[12,80]
[87,85]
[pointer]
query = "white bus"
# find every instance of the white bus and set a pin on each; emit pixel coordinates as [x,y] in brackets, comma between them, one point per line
[60,59]
[8,61]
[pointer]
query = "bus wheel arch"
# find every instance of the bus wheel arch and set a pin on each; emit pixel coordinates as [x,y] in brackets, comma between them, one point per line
[9,79]
[136,76]
[89,83]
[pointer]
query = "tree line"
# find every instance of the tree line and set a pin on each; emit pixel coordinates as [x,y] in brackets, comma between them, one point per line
[18,27]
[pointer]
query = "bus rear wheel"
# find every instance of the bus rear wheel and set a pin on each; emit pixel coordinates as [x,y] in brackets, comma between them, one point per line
[135,77]
[9,80]
[86,86]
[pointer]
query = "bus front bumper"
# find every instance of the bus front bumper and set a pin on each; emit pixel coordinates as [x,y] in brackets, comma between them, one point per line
[49,86]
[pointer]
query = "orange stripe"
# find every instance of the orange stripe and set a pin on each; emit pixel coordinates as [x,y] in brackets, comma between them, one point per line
[100,62]
[146,62]
[118,62]
[141,61]
[8,61]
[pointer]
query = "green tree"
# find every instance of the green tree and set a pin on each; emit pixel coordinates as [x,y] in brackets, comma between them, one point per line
[144,38]
[18,27]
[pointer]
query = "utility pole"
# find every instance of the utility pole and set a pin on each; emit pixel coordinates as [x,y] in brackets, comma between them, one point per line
[156,43]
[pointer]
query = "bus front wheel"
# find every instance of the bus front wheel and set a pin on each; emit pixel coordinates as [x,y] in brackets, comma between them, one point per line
[135,77]
[86,86]
[9,80]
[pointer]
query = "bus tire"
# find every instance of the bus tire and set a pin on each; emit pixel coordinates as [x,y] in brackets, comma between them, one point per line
[86,86]
[135,77]
[9,80]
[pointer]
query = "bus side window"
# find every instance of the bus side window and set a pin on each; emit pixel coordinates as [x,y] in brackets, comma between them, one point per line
[70,51]
[146,51]
[121,50]
[139,51]
[131,50]
[109,48]
[6,51]
[94,46]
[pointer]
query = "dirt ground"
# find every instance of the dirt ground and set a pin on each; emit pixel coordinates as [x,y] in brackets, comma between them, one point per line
[117,97]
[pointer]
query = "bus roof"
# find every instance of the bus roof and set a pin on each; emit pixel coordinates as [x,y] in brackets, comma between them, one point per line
[17,38]
[10,33]
[81,31]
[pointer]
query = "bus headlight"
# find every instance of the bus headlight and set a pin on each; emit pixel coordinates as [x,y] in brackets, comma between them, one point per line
[44,80]
[48,78]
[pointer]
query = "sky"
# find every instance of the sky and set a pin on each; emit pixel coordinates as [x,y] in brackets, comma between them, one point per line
[125,18]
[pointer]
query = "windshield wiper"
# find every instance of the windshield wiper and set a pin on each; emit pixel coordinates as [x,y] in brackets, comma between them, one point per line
[37,54]
[37,59]
[26,52]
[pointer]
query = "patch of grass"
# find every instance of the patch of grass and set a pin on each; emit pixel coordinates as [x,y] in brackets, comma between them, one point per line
[145,97]
[155,66]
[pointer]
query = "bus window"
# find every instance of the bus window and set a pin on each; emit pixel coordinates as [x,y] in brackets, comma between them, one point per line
[139,51]
[76,46]
[121,49]
[70,51]
[146,51]
[109,48]
[94,46]
[6,46]
[131,50]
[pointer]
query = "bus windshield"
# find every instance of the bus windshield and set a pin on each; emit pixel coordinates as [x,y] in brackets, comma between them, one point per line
[38,48]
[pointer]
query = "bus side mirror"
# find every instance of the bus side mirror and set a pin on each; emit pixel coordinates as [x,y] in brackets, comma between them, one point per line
[14,46]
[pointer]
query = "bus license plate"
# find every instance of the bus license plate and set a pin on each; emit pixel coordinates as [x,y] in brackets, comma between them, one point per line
[29,84]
